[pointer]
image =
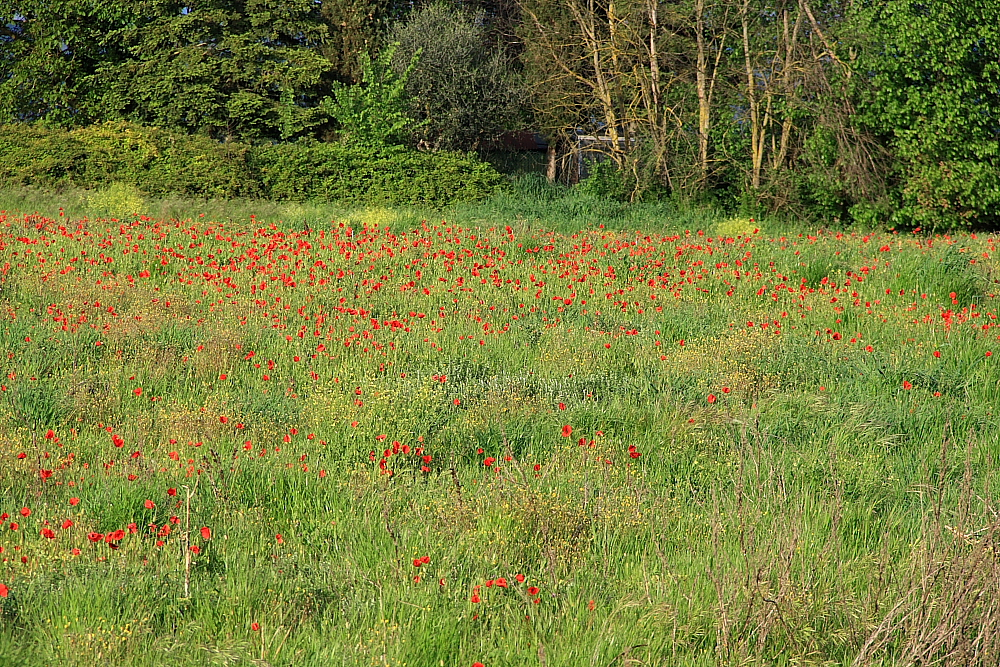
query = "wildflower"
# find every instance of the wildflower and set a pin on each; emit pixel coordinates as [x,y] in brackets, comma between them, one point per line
[567,431]
[206,533]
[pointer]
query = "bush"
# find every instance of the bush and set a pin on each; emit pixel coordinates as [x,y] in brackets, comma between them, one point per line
[394,175]
[157,162]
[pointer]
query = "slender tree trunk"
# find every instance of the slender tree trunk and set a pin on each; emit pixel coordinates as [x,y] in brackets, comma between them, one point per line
[788,66]
[756,130]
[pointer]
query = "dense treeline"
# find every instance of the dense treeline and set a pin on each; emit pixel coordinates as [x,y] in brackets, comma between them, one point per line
[880,112]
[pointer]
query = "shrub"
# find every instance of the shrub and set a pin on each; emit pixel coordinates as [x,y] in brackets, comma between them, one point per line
[118,200]
[157,162]
[335,172]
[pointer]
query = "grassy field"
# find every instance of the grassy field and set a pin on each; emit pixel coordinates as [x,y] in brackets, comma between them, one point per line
[552,432]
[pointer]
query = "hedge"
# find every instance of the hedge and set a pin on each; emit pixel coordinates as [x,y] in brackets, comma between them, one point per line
[161,163]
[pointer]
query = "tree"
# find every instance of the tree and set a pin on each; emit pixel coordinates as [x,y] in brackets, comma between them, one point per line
[226,68]
[49,54]
[376,111]
[464,88]
[930,87]
[354,27]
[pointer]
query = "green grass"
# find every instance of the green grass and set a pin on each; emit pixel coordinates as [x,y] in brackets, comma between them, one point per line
[768,462]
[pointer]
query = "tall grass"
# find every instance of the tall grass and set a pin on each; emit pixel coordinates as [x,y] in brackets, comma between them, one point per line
[787,456]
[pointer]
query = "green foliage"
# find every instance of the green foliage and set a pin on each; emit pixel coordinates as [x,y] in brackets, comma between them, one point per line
[119,159]
[49,56]
[155,161]
[375,112]
[606,181]
[353,27]
[932,88]
[337,172]
[464,87]
[226,68]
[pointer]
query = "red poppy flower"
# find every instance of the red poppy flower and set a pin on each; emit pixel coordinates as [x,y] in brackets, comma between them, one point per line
[195,549]
[533,590]
[711,398]
[567,431]
[4,591]
[206,533]
[48,534]
[171,492]
[255,626]
[25,512]
[95,537]
[519,578]
[74,501]
[67,524]
[279,539]
[907,385]
[149,504]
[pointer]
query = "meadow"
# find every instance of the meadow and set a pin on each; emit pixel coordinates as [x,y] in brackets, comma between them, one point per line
[556,432]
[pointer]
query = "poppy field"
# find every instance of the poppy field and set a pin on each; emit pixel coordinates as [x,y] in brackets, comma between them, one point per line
[450,442]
